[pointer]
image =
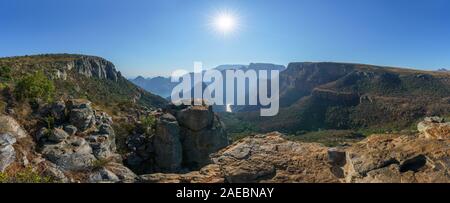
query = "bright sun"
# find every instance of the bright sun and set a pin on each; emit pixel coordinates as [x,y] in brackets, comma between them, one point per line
[225,22]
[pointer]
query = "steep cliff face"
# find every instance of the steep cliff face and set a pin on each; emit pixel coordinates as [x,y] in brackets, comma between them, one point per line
[352,96]
[96,67]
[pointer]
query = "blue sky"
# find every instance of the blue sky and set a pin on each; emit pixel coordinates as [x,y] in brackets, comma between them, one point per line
[153,37]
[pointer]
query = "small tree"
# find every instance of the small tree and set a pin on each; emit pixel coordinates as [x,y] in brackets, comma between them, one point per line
[35,86]
[148,124]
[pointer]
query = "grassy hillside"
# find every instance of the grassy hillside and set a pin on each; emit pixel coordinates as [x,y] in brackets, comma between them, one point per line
[77,76]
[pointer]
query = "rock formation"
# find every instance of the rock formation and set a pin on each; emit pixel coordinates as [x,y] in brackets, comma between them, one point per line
[388,158]
[77,140]
[184,138]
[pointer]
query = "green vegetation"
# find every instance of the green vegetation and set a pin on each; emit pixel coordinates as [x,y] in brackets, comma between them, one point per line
[330,138]
[50,121]
[35,86]
[27,175]
[148,124]
[5,73]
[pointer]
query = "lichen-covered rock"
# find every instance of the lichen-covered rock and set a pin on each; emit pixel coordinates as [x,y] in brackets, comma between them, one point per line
[434,128]
[72,154]
[271,158]
[208,174]
[81,114]
[103,176]
[7,152]
[398,158]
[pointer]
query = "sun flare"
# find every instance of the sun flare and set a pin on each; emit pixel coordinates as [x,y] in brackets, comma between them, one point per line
[225,22]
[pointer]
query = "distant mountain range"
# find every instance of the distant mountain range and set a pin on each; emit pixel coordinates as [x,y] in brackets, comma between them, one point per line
[163,87]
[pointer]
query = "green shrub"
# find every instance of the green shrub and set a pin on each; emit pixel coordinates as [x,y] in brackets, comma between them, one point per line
[100,163]
[5,72]
[148,124]
[27,175]
[50,122]
[35,86]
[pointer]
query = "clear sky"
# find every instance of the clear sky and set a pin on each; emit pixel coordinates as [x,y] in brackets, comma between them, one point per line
[153,37]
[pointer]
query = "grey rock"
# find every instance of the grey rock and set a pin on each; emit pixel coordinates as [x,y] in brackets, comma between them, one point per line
[10,125]
[7,152]
[70,129]
[336,157]
[103,175]
[108,130]
[57,111]
[434,119]
[57,135]
[101,146]
[71,154]
[197,146]
[40,134]
[195,118]
[95,67]
[167,145]
[81,118]
[55,173]
[123,173]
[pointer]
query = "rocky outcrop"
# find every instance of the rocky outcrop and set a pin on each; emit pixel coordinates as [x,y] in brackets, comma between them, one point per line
[434,128]
[398,159]
[167,144]
[72,154]
[95,67]
[81,136]
[384,158]
[262,158]
[183,140]
[10,133]
[81,114]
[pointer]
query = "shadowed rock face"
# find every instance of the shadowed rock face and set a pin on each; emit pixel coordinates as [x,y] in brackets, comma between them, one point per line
[185,137]
[385,158]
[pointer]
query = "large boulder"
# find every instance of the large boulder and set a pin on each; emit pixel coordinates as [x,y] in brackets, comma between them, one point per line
[199,145]
[72,154]
[11,126]
[7,152]
[434,128]
[81,114]
[57,135]
[167,145]
[195,118]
